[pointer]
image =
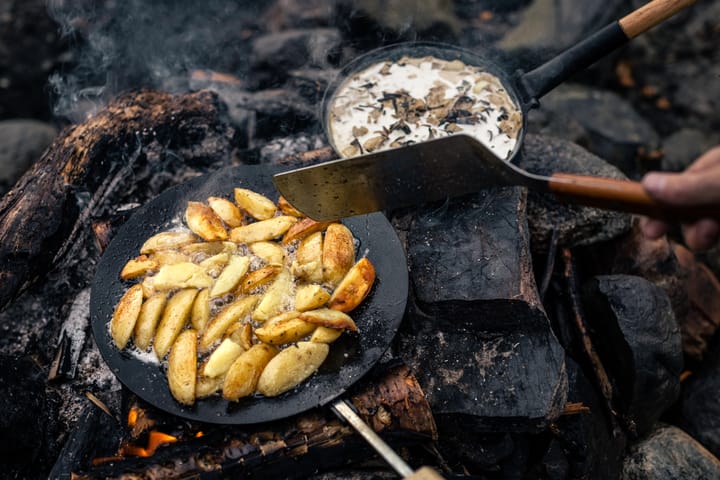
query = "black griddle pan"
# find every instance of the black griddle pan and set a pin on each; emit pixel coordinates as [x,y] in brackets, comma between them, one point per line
[351,356]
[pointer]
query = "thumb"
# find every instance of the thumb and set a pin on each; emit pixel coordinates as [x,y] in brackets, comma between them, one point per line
[687,188]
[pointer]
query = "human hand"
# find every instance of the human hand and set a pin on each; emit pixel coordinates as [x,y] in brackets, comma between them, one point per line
[699,186]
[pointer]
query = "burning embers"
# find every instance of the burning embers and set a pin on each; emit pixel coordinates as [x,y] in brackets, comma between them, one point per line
[396,103]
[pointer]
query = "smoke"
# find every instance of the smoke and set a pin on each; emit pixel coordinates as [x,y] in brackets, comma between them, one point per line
[127,44]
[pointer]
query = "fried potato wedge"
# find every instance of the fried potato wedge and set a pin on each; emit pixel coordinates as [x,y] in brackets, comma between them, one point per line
[303,228]
[173,320]
[255,204]
[182,367]
[148,319]
[310,297]
[263,230]
[221,358]
[181,275]
[169,257]
[269,252]
[204,222]
[167,240]
[287,208]
[338,253]
[231,275]
[284,328]
[232,313]
[308,259]
[208,248]
[258,278]
[125,316]
[325,335]
[290,367]
[242,377]
[138,267]
[329,318]
[354,286]
[227,211]
[277,295]
[242,334]
[215,264]
[207,386]
[200,313]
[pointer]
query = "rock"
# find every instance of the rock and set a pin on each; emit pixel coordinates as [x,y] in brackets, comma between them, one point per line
[22,142]
[638,341]
[575,225]
[668,453]
[698,90]
[683,147]
[700,404]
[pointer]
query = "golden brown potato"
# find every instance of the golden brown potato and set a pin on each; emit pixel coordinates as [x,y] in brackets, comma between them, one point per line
[275,297]
[290,367]
[354,287]
[200,313]
[227,211]
[182,367]
[284,328]
[242,334]
[310,297]
[338,253]
[288,209]
[232,313]
[258,278]
[221,358]
[270,252]
[325,335]
[204,222]
[256,205]
[329,318]
[208,248]
[242,377]
[230,276]
[181,275]
[302,228]
[167,240]
[138,267]
[125,316]
[148,319]
[173,320]
[308,259]
[262,231]
[206,386]
[169,257]
[215,264]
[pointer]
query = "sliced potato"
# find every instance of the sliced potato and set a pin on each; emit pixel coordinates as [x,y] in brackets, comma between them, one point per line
[258,278]
[174,318]
[284,328]
[308,259]
[338,253]
[148,319]
[277,295]
[148,287]
[181,275]
[206,386]
[215,264]
[242,334]
[232,313]
[167,240]
[302,228]
[227,211]
[242,377]
[138,267]
[262,231]
[125,316]
[209,248]
[169,257]
[270,252]
[310,297]
[220,360]
[202,220]
[255,204]
[182,367]
[231,275]
[329,318]
[288,209]
[354,287]
[200,313]
[325,334]
[290,367]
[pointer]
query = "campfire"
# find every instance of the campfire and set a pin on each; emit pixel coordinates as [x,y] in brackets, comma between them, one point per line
[506,334]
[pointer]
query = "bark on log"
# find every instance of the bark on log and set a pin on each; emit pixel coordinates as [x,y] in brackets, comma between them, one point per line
[38,216]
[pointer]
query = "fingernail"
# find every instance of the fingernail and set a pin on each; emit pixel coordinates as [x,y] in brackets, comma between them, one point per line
[654,183]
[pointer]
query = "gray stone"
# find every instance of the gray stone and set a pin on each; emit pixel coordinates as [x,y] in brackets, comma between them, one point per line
[575,225]
[700,403]
[668,453]
[683,147]
[22,142]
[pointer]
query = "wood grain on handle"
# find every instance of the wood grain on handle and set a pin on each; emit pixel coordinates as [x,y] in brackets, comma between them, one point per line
[621,195]
[424,473]
[651,14]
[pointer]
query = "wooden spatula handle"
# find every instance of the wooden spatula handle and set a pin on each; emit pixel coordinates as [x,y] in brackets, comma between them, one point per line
[622,195]
[651,14]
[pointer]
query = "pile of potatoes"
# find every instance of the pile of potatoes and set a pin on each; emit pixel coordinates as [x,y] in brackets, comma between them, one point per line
[244,300]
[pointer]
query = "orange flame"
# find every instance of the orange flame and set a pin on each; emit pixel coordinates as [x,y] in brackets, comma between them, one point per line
[155,439]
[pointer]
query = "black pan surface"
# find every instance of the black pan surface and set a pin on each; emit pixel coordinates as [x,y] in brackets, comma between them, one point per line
[352,356]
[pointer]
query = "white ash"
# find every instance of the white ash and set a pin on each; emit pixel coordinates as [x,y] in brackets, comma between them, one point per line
[393,104]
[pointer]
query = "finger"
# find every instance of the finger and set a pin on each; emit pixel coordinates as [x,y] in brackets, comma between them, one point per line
[653,229]
[709,159]
[702,235]
[688,188]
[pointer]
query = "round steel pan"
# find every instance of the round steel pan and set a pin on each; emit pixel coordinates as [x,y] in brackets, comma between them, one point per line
[351,356]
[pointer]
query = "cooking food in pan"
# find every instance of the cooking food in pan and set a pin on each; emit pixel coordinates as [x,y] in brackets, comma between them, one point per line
[244,298]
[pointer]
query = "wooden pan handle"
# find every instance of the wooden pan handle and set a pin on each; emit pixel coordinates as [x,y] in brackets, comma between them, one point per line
[622,195]
[651,14]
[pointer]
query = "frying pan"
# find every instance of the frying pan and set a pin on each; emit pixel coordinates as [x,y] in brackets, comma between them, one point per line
[351,356]
[524,88]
